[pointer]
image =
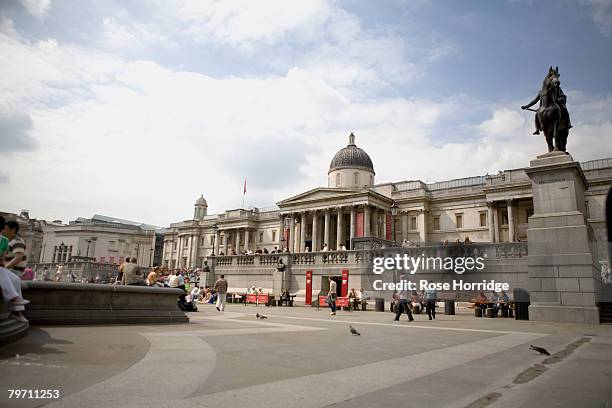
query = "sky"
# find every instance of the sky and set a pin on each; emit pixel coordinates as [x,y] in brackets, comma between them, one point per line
[134,109]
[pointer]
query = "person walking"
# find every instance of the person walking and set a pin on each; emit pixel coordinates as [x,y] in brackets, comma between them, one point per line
[332,296]
[221,289]
[431,295]
[402,305]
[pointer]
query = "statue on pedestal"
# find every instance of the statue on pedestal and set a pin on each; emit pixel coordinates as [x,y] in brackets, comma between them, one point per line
[552,116]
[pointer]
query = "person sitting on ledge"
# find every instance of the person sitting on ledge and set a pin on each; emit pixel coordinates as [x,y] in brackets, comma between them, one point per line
[132,274]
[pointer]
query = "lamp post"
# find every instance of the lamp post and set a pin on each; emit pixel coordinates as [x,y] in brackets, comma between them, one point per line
[151,257]
[394,209]
[88,245]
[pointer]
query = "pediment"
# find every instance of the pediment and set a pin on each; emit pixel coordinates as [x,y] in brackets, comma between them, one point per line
[319,194]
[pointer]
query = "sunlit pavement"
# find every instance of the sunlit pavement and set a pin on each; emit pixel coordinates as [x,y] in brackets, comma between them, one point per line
[303,357]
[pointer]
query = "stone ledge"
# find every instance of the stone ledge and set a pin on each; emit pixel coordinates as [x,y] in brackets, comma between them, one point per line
[79,304]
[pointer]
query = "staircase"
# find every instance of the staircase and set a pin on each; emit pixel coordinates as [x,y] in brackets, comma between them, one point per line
[605,313]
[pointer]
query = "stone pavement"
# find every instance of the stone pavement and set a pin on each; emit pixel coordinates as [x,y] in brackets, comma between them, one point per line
[301,357]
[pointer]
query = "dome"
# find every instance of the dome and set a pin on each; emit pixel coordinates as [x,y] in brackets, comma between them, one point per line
[201,201]
[351,157]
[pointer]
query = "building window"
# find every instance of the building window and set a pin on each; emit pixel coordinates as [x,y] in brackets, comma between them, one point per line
[504,216]
[338,179]
[221,239]
[274,236]
[436,223]
[185,243]
[459,220]
[483,219]
[261,237]
[212,240]
[529,213]
[356,178]
[413,223]
[112,245]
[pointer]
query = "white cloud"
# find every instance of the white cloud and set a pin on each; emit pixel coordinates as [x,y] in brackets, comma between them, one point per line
[37,8]
[244,22]
[131,35]
[504,123]
[602,14]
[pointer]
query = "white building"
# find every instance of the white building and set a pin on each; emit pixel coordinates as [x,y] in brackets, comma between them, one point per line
[102,239]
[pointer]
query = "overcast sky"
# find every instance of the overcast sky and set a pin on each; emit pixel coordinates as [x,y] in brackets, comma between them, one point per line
[135,108]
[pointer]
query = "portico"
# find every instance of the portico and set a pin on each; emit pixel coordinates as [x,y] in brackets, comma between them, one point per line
[334,217]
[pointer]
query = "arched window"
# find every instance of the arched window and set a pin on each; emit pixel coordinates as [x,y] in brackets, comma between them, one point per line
[338,180]
[356,178]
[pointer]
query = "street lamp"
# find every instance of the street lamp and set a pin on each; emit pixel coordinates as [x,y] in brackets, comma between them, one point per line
[151,257]
[394,209]
[89,241]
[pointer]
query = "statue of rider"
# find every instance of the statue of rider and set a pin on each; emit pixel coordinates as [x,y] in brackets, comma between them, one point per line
[561,100]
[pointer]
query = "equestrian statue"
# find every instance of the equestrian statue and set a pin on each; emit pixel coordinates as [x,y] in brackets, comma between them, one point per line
[552,116]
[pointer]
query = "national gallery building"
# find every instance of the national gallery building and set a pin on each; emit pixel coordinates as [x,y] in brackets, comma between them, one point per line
[485,209]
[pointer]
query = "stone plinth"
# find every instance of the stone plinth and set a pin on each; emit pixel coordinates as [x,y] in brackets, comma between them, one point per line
[564,279]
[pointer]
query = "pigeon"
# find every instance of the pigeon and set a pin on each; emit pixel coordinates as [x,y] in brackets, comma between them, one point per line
[353,331]
[540,350]
[261,316]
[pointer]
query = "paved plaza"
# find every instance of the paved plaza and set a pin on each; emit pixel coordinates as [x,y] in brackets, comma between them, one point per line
[302,357]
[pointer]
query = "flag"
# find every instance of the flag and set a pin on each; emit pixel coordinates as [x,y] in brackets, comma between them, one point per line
[244,191]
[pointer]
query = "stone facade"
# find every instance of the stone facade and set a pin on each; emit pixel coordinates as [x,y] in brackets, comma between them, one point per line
[101,239]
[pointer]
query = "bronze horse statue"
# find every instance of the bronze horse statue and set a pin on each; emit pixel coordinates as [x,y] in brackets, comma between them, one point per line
[552,116]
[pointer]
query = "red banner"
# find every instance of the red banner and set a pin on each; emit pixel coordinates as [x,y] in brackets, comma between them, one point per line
[359,225]
[389,222]
[261,298]
[308,287]
[344,287]
[340,301]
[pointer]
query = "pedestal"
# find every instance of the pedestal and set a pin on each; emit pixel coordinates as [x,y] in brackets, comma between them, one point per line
[564,278]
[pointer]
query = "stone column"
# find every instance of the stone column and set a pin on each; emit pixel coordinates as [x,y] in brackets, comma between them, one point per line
[303,231]
[246,239]
[327,226]
[315,232]
[216,246]
[510,221]
[196,246]
[179,251]
[291,232]
[422,224]
[237,241]
[384,225]
[366,221]
[496,223]
[339,228]
[296,241]
[352,227]
[490,208]
[404,223]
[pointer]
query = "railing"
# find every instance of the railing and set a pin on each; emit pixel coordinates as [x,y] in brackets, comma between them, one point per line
[596,164]
[489,251]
